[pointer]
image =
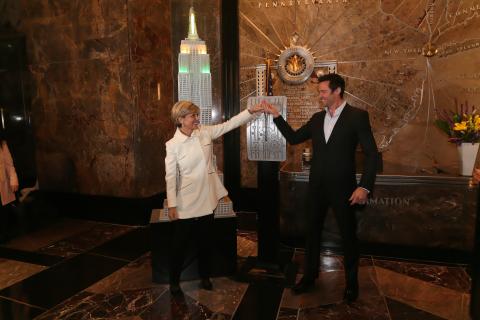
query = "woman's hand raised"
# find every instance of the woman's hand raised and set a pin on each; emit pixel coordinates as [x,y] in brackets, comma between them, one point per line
[257,108]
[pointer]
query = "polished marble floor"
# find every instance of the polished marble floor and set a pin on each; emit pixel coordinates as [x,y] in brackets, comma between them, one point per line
[77,269]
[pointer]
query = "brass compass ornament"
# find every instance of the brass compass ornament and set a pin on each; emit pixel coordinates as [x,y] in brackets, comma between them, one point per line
[429,50]
[295,63]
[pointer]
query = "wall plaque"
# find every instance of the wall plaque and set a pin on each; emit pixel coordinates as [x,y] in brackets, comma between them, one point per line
[264,141]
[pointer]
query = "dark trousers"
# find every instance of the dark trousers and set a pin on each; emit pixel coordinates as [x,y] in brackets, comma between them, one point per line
[196,231]
[346,220]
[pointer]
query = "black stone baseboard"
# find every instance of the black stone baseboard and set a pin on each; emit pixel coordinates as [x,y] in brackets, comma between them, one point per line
[128,211]
[40,208]
[417,253]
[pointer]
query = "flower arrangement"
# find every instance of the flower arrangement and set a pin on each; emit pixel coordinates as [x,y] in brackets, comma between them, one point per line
[461,126]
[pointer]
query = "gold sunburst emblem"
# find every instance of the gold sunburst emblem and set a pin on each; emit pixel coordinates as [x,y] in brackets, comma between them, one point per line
[295,65]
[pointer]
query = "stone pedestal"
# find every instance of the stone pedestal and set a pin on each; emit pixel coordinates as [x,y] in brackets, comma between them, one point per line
[224,250]
[435,212]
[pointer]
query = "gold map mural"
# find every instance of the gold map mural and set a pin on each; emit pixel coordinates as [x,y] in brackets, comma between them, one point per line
[403,61]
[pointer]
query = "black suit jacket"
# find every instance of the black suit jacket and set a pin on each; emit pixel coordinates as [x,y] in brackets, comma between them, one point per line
[333,163]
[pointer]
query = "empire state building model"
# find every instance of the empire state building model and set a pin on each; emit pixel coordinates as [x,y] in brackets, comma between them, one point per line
[194,78]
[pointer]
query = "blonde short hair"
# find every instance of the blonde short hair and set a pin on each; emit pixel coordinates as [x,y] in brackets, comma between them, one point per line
[181,109]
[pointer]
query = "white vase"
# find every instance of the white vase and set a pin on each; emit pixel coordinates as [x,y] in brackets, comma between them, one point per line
[467,154]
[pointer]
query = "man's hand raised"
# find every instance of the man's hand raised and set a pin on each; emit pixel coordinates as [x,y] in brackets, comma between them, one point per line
[271,110]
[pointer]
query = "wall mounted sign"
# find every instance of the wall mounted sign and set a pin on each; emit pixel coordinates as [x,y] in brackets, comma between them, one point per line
[264,141]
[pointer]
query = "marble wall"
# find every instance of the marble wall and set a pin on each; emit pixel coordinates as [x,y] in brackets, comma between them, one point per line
[428,212]
[102,91]
[104,78]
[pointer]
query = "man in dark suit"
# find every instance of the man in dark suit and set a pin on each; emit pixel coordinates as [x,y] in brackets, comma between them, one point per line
[335,132]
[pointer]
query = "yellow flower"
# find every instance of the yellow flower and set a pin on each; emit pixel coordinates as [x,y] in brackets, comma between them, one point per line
[477,122]
[462,126]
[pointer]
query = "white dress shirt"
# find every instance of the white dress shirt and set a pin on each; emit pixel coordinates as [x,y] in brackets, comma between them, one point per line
[329,122]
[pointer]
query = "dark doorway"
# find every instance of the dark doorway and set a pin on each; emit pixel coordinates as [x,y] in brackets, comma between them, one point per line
[15,112]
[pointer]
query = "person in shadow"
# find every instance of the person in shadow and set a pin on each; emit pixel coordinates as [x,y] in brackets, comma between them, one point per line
[8,187]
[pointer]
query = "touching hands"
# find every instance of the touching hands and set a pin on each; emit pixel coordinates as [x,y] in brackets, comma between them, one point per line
[264,107]
[359,196]
[268,108]
[257,108]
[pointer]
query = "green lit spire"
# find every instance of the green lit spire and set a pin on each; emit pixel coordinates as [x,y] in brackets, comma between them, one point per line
[192,26]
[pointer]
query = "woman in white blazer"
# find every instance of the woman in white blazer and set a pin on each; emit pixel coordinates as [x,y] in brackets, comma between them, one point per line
[193,186]
[8,185]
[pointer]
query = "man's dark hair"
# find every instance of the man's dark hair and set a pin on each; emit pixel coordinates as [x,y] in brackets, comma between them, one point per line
[334,81]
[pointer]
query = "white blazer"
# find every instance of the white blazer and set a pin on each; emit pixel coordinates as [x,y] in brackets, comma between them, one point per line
[193,186]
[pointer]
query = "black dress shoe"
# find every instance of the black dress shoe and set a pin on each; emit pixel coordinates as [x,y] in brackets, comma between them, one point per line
[304,285]
[175,289]
[206,284]
[351,293]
